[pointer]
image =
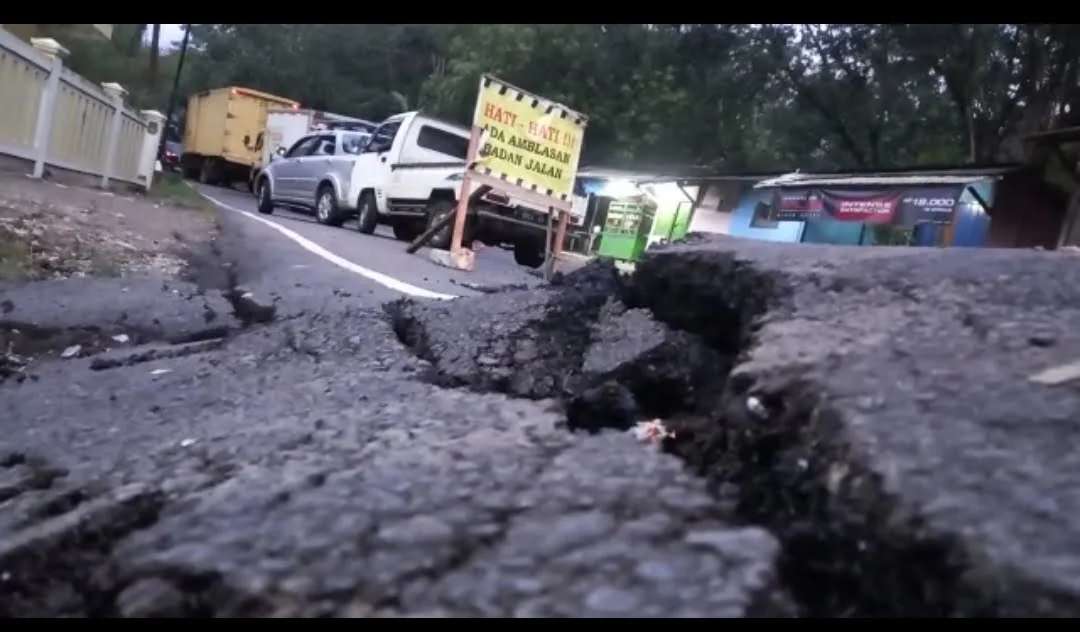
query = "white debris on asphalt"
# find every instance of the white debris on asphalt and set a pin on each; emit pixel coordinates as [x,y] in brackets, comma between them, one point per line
[121,338]
[1058,375]
[187,443]
[756,407]
[160,371]
[652,432]
[71,351]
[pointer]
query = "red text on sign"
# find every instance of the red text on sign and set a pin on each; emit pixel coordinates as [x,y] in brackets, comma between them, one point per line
[545,132]
[499,115]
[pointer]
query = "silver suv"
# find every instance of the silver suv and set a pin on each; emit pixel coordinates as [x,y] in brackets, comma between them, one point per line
[313,174]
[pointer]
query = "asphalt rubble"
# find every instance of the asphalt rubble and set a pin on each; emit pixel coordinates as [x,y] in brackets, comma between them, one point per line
[852,432]
[873,409]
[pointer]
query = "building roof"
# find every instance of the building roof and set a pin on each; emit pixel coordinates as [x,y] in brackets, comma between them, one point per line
[958,176]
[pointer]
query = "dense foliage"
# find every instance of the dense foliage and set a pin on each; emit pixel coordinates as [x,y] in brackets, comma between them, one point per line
[733,96]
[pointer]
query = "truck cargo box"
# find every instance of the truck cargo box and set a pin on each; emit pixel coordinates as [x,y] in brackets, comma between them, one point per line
[223,137]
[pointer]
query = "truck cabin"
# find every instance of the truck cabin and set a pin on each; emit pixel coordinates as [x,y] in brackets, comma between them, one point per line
[424,140]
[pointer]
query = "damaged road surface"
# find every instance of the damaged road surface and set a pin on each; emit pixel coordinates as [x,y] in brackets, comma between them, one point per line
[873,409]
[854,432]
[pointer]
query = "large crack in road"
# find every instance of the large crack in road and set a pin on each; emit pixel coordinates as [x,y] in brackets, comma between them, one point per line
[853,431]
[777,450]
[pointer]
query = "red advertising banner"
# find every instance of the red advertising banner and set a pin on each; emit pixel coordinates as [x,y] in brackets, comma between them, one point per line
[934,204]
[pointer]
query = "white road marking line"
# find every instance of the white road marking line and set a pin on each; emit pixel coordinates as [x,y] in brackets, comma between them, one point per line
[316,249]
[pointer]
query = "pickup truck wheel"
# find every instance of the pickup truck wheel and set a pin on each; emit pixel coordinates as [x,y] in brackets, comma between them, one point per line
[529,253]
[405,230]
[367,215]
[326,207]
[266,203]
[435,212]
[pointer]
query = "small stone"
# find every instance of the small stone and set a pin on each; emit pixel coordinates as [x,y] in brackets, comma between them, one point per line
[1042,339]
[418,529]
[573,530]
[735,544]
[610,600]
[656,571]
[152,597]
[525,352]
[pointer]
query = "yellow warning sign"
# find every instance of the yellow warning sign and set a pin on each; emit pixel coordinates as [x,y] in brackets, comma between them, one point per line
[527,142]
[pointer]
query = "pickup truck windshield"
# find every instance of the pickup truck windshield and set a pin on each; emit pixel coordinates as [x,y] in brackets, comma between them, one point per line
[353,143]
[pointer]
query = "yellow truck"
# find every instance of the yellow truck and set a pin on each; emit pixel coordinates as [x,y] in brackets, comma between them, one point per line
[224,133]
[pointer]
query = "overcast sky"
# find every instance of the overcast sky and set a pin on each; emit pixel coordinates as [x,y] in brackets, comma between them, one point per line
[171,34]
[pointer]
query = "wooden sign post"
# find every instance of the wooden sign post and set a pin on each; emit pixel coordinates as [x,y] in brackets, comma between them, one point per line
[524,146]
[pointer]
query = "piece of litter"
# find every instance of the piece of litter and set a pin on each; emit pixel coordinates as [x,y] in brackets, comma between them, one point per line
[187,443]
[247,295]
[71,351]
[756,407]
[121,338]
[652,432]
[1058,374]
[160,371]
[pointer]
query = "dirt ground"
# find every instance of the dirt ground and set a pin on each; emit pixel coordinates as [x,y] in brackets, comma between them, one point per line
[50,230]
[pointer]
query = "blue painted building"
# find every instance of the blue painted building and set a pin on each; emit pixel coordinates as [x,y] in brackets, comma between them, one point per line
[970,226]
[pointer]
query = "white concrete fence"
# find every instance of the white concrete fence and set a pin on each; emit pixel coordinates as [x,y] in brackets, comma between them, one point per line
[52,117]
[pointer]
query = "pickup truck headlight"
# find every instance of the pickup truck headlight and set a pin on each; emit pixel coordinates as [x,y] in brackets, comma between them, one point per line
[455,177]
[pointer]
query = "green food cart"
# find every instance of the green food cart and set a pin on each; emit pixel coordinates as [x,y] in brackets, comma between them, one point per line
[659,212]
[626,230]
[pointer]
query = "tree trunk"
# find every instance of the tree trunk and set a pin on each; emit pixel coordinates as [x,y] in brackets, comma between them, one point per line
[155,46]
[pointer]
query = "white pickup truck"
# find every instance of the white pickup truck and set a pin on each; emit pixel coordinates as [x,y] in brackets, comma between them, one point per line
[409,176]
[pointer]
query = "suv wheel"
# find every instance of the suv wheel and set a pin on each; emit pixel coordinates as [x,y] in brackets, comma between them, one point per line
[326,207]
[367,215]
[266,202]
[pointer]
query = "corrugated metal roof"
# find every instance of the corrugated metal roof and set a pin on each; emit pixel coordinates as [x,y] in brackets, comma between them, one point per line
[803,180]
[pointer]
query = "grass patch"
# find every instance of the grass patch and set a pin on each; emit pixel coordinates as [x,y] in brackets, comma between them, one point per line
[175,190]
[16,261]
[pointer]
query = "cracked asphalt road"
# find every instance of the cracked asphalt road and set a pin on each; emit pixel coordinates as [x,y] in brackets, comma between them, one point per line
[382,253]
[897,461]
[307,469]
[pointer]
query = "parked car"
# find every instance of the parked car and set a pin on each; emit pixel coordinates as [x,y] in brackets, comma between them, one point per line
[170,158]
[312,174]
[285,126]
